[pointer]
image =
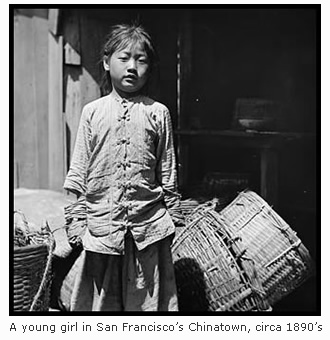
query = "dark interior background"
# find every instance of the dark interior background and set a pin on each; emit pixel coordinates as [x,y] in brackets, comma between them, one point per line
[245,53]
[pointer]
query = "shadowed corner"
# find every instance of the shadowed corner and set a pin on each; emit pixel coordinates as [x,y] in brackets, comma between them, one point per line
[191,285]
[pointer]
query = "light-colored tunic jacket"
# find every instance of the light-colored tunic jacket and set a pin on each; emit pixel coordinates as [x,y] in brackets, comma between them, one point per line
[124,165]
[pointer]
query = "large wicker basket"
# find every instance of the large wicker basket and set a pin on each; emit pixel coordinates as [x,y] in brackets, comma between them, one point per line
[32,278]
[32,275]
[283,263]
[211,273]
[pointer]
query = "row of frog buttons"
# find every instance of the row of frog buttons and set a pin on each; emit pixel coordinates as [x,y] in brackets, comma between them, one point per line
[125,163]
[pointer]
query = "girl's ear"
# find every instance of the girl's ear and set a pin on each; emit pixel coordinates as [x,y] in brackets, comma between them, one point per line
[106,63]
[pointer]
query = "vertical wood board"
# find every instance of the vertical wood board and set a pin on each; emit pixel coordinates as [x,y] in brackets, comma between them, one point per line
[25,106]
[73,106]
[55,109]
[41,93]
[54,20]
[92,38]
[71,34]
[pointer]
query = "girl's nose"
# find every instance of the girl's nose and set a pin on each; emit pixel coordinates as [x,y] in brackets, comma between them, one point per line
[131,64]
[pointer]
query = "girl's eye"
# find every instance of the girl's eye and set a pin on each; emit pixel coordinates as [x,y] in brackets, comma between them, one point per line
[123,58]
[142,61]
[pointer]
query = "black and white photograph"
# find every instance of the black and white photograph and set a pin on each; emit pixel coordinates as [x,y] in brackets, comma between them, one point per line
[165,159]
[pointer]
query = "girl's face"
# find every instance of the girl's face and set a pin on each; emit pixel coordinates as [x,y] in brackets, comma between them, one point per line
[128,69]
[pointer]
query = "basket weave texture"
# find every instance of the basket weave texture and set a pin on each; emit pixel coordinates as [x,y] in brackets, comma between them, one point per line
[282,261]
[243,258]
[32,278]
[210,272]
[32,274]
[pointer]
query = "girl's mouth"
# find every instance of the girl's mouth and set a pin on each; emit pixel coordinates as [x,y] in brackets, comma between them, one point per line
[130,78]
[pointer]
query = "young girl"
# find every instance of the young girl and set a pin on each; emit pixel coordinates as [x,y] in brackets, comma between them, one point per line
[123,168]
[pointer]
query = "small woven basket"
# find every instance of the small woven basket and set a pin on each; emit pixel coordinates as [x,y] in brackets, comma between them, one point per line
[32,275]
[283,263]
[211,273]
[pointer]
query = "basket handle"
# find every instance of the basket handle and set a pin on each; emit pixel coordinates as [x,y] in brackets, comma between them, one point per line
[45,276]
[24,220]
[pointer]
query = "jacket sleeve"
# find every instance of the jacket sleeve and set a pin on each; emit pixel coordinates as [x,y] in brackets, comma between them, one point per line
[166,172]
[76,177]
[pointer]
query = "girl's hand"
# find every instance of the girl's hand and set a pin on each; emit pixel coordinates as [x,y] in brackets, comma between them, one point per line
[62,246]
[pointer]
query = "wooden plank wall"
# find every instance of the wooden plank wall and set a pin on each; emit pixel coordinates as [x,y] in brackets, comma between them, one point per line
[72,79]
[31,99]
[51,85]
[58,70]
[39,148]
[56,154]
[82,40]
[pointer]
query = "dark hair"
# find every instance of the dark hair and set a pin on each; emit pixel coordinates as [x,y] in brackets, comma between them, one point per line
[121,36]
